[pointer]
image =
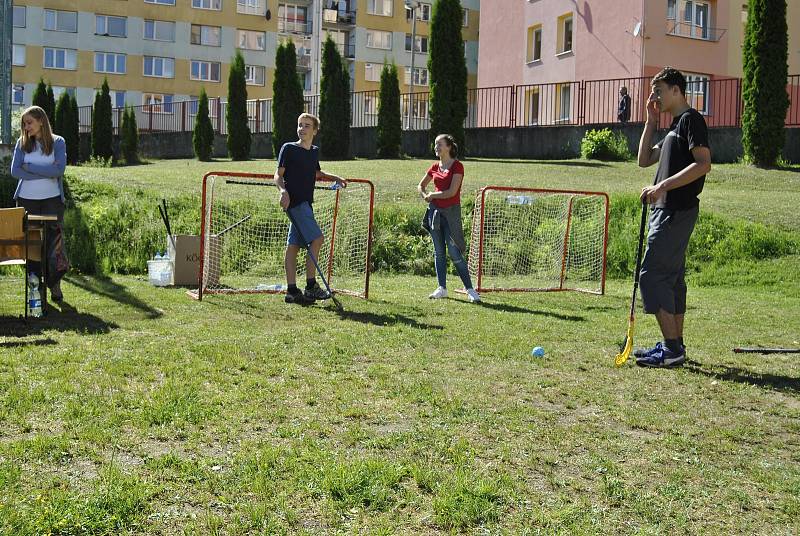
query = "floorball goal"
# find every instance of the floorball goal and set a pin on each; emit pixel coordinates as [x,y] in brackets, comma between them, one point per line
[528,239]
[243,235]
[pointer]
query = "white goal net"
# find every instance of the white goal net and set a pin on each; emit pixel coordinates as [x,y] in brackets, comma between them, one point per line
[527,239]
[244,230]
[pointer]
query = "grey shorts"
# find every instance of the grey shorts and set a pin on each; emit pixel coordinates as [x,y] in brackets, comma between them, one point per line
[662,278]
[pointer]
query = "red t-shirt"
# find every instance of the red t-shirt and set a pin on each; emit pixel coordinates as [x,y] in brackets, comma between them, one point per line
[442,180]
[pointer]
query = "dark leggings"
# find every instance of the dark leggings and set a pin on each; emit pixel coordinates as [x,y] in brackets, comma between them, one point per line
[52,206]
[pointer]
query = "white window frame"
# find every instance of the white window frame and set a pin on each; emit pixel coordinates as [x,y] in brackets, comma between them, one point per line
[372,72]
[686,16]
[251,7]
[54,20]
[565,110]
[251,75]
[208,66]
[58,90]
[530,45]
[205,32]
[17,94]
[18,54]
[161,2]
[370,105]
[115,95]
[421,76]
[562,45]
[115,61]
[262,36]
[161,103]
[295,23]
[465,22]
[156,24]
[371,34]
[386,8]
[67,55]
[166,65]
[672,9]
[211,5]
[420,40]
[703,81]
[423,12]
[15,13]
[105,24]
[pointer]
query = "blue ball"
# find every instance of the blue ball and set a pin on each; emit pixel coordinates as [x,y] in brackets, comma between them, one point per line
[537,352]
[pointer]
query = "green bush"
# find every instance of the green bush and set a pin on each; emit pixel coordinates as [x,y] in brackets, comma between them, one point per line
[102,126]
[239,138]
[129,138]
[390,127]
[605,145]
[334,104]
[203,136]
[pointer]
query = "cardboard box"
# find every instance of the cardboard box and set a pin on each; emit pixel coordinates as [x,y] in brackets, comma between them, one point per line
[184,254]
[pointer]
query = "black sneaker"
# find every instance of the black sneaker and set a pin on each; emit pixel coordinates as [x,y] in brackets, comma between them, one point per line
[297,297]
[316,293]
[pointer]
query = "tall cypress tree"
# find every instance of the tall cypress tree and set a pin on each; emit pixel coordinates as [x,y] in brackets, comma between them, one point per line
[239,139]
[60,120]
[129,138]
[51,103]
[203,136]
[40,96]
[390,127]
[766,71]
[102,126]
[287,97]
[448,71]
[334,104]
[73,142]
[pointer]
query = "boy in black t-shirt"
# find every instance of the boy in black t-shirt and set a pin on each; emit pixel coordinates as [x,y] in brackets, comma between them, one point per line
[684,159]
[298,170]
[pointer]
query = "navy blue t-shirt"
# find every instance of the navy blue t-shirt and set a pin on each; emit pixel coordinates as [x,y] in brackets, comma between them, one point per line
[686,132]
[300,171]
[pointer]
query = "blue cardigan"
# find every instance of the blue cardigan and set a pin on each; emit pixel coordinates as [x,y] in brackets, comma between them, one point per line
[32,172]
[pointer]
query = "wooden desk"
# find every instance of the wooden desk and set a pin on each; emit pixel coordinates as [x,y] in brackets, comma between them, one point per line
[40,221]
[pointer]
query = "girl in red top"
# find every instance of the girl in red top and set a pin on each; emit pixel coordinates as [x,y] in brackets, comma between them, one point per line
[443,218]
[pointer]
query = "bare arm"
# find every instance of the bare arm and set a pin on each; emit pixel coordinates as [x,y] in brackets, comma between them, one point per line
[281,184]
[648,153]
[423,185]
[701,166]
[340,181]
[455,184]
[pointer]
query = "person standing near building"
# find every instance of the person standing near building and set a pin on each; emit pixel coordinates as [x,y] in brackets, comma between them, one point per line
[624,106]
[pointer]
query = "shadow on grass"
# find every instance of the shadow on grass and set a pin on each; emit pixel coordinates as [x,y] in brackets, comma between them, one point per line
[66,319]
[385,320]
[785,384]
[506,308]
[573,163]
[104,286]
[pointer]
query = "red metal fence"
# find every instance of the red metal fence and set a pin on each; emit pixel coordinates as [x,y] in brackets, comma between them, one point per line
[588,102]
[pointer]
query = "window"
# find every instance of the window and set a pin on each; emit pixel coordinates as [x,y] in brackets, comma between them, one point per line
[465,22]
[159,67]
[205,70]
[108,62]
[380,7]
[672,10]
[19,17]
[379,39]
[251,40]
[372,72]
[420,108]
[17,54]
[206,35]
[60,58]
[421,44]
[370,104]
[18,94]
[60,21]
[251,7]
[159,30]
[423,12]
[694,18]
[340,38]
[697,92]
[293,19]
[157,103]
[532,106]
[420,76]
[565,34]
[564,106]
[58,90]
[254,75]
[111,26]
[534,48]
[164,2]
[117,98]
[207,4]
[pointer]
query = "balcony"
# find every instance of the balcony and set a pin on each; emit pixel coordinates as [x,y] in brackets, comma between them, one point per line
[294,26]
[333,16]
[693,31]
[347,51]
[303,62]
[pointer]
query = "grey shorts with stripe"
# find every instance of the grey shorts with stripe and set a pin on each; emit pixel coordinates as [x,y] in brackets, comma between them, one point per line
[662,278]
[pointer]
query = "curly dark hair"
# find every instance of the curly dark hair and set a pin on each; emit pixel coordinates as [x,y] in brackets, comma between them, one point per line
[672,77]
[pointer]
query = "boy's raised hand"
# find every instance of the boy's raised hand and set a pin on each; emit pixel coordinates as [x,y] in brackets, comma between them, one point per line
[652,108]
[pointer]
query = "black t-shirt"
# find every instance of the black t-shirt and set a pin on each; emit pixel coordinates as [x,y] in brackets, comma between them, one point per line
[686,132]
[300,171]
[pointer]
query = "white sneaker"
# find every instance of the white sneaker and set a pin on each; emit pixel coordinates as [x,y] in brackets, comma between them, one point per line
[473,296]
[440,292]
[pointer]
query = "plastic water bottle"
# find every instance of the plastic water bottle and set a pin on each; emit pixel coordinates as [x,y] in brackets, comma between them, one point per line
[518,200]
[158,256]
[34,298]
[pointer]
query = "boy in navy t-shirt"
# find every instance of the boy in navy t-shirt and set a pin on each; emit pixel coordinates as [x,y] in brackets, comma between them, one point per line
[298,170]
[684,159]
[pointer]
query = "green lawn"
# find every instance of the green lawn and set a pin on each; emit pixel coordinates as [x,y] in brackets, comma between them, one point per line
[136,410]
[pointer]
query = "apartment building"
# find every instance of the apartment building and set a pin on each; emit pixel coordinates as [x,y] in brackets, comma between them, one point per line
[161,51]
[544,46]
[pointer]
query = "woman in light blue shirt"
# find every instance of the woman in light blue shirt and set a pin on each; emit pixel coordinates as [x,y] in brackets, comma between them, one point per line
[40,158]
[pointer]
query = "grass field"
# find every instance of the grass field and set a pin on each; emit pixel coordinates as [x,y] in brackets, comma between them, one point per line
[135,410]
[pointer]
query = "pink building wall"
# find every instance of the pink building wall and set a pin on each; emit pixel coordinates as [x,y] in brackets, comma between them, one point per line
[605,44]
[552,67]
[501,48]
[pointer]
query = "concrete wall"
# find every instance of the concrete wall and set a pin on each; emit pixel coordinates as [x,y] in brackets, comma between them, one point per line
[522,142]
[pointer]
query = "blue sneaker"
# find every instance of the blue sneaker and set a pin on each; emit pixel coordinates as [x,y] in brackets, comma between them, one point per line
[646,352]
[663,358]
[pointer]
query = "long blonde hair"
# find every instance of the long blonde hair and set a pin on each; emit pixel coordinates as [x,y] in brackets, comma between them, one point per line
[45,137]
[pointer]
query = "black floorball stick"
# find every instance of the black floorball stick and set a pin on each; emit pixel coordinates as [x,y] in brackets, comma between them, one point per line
[625,352]
[234,226]
[314,260]
[767,350]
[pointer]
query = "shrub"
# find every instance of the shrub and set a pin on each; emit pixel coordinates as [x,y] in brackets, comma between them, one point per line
[287,100]
[102,126]
[203,137]
[389,123]
[239,139]
[129,142]
[40,97]
[605,145]
[334,105]
[74,139]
